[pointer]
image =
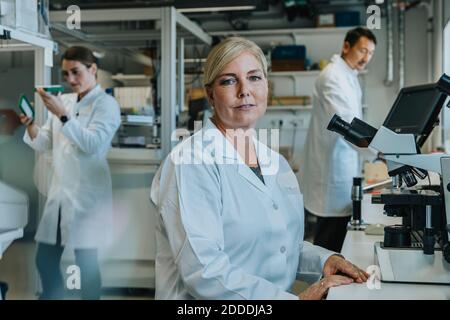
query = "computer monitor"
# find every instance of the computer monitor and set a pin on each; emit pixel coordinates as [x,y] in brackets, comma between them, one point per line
[417,108]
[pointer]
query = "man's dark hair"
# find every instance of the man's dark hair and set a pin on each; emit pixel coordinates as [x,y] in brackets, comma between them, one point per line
[353,35]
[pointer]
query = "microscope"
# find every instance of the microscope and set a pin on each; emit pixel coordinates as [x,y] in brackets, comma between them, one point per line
[418,249]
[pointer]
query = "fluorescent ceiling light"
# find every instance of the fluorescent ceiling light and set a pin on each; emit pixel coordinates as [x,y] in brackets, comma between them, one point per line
[216,9]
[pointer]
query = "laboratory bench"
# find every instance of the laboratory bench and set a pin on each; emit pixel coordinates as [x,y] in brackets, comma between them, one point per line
[358,248]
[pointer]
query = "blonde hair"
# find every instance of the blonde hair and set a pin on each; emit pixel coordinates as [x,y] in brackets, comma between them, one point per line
[226,51]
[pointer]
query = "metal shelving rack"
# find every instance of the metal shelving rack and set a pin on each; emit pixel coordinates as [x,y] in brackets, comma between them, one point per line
[169,19]
[43,58]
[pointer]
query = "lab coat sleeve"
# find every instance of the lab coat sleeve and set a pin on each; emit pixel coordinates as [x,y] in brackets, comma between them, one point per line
[335,101]
[311,262]
[193,222]
[100,131]
[43,141]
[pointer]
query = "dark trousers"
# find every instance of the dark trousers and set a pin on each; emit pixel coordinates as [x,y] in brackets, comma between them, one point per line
[48,259]
[330,232]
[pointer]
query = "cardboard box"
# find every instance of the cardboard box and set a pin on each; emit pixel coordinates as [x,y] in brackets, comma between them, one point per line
[290,101]
[288,65]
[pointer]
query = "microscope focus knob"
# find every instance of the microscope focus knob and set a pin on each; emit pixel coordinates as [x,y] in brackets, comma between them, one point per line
[446,251]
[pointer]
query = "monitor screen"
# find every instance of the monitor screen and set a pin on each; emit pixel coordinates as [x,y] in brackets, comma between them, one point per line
[415,111]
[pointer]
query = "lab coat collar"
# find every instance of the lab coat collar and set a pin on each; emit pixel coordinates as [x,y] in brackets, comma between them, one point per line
[267,159]
[223,149]
[340,61]
[269,164]
[90,96]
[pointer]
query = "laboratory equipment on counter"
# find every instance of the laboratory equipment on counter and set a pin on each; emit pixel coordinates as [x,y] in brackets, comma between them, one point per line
[356,222]
[418,250]
[140,127]
[138,131]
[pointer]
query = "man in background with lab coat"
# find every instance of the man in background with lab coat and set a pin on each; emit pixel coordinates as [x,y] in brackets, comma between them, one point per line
[329,162]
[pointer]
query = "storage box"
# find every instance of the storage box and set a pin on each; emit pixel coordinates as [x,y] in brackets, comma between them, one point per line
[325,20]
[288,65]
[19,14]
[290,101]
[347,19]
[291,52]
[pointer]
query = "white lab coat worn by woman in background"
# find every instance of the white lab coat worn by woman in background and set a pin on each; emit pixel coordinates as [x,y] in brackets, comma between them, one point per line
[80,182]
[229,227]
[78,211]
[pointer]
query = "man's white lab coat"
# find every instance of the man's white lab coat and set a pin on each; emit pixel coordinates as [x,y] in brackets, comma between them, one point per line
[329,163]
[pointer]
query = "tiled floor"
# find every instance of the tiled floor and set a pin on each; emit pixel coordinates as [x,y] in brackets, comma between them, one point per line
[17,269]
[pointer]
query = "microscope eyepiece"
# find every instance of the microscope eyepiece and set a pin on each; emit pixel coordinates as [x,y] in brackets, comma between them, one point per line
[358,132]
[337,124]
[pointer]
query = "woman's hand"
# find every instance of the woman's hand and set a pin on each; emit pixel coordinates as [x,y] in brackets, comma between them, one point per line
[31,127]
[337,264]
[25,120]
[53,103]
[318,290]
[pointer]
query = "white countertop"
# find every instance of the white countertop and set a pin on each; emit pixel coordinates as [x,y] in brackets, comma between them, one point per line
[359,249]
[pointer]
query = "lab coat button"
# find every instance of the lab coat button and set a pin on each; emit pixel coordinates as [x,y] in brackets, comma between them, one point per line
[275,206]
[283,249]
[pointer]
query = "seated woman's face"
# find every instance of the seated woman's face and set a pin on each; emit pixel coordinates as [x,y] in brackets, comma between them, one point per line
[239,93]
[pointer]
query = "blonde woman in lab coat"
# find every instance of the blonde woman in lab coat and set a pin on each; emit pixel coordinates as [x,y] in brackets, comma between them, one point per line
[78,210]
[230,213]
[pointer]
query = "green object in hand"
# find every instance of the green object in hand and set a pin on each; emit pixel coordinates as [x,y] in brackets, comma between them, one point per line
[26,107]
[51,88]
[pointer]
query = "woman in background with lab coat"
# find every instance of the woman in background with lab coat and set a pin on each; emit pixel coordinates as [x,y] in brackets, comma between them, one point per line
[230,213]
[78,210]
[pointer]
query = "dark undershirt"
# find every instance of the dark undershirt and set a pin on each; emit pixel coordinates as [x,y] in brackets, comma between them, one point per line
[257,171]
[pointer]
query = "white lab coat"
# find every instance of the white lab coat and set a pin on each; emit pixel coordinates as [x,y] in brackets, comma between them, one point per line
[329,162]
[221,232]
[80,184]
